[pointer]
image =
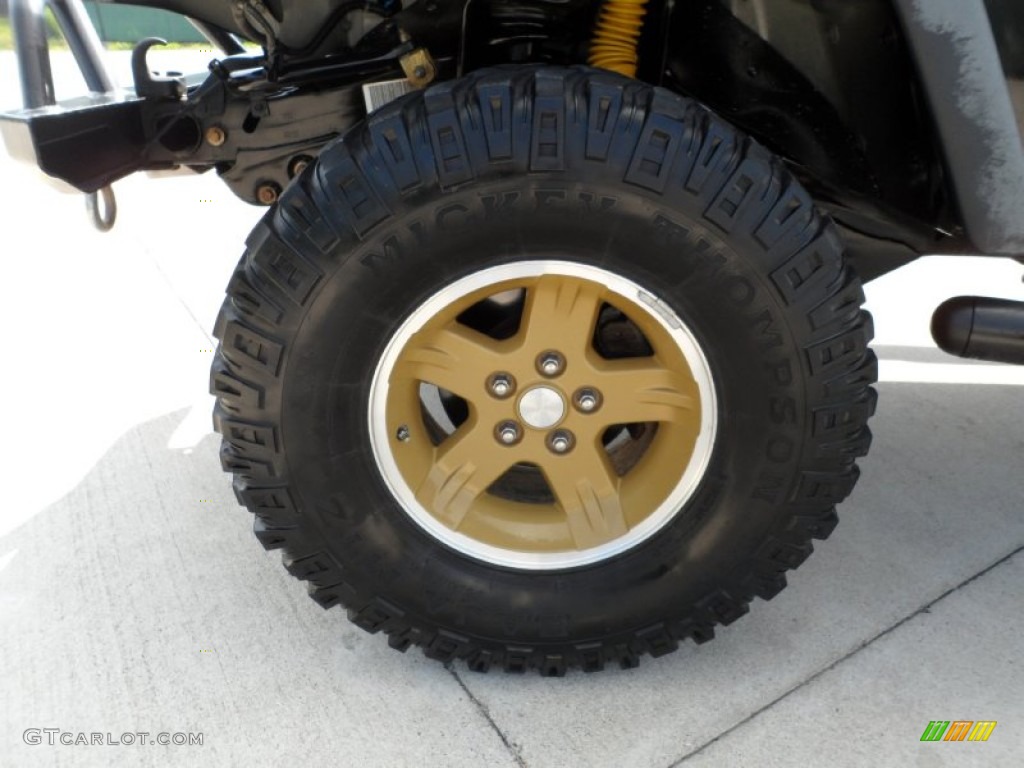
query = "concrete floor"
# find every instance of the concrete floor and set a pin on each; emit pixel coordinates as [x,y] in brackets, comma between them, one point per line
[133,597]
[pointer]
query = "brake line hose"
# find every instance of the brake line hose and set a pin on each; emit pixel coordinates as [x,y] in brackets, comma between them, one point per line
[616,34]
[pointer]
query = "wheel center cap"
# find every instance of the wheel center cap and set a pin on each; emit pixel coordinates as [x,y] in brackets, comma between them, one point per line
[541,407]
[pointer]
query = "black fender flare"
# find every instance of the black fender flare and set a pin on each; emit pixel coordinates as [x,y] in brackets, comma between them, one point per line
[959,65]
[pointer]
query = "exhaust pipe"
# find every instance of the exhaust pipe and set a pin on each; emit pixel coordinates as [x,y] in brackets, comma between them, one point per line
[981,329]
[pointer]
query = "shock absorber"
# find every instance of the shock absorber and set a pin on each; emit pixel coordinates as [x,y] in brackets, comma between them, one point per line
[616,35]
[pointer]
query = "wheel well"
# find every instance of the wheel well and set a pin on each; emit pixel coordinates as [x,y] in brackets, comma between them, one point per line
[831,86]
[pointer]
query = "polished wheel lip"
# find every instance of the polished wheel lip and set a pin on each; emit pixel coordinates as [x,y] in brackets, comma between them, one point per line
[538,561]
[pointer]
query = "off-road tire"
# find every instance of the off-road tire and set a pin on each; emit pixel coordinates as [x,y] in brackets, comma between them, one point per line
[498,167]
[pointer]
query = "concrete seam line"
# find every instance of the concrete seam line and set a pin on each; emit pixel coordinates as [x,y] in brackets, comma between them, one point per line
[490,720]
[188,310]
[841,659]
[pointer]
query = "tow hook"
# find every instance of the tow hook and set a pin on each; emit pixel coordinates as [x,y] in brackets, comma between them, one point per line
[148,84]
[101,206]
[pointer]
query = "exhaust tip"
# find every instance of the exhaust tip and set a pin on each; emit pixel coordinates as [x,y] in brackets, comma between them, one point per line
[952,324]
[981,329]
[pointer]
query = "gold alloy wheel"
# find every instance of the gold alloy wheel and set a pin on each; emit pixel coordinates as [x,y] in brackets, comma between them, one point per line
[505,431]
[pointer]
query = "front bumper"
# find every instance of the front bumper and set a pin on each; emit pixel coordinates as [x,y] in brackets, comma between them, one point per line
[86,142]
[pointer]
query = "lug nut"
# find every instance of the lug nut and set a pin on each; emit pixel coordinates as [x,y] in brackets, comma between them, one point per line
[550,363]
[587,399]
[216,136]
[402,433]
[501,385]
[561,441]
[508,432]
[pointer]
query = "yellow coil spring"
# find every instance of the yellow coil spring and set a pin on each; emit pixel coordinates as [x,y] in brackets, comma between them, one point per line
[616,34]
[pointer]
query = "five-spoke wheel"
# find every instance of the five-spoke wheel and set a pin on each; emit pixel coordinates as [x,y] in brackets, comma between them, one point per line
[511,428]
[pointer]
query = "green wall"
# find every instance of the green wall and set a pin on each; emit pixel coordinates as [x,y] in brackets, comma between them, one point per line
[131,23]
